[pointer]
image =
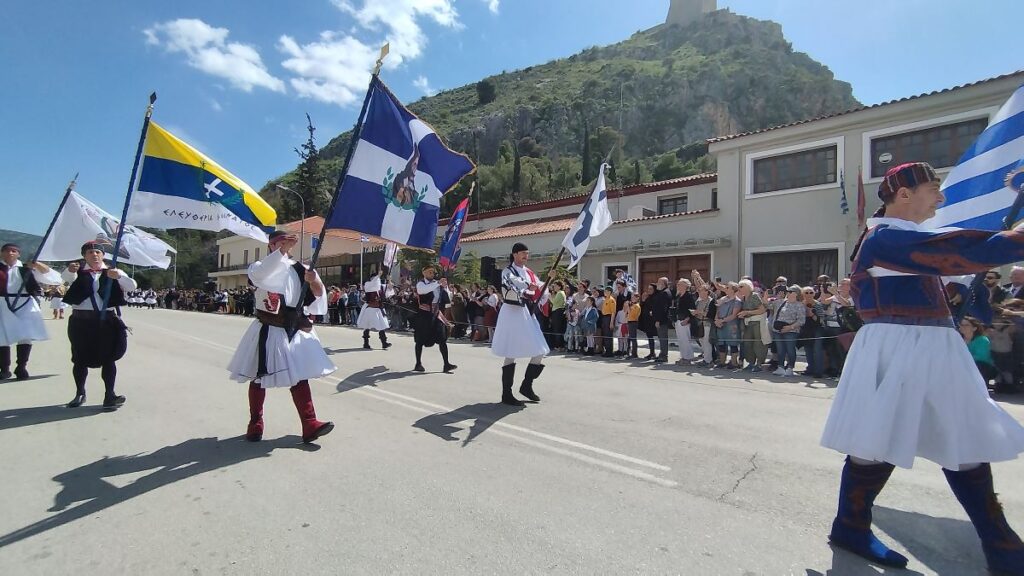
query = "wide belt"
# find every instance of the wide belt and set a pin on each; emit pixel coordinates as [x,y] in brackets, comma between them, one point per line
[284,319]
[937,322]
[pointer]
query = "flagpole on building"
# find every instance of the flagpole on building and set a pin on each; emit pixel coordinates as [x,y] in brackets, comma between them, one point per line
[67,194]
[128,199]
[353,142]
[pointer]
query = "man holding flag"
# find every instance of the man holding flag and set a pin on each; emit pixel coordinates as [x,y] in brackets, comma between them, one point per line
[911,388]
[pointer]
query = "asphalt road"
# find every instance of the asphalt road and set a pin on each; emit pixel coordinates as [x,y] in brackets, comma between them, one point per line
[624,468]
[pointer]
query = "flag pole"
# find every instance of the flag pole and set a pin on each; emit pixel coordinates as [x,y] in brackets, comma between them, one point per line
[128,200]
[356,132]
[53,222]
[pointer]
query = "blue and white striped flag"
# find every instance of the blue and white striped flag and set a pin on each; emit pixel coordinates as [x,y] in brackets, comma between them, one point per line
[594,219]
[399,171]
[976,190]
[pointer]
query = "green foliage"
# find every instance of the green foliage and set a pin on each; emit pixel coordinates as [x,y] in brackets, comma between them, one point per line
[196,258]
[660,93]
[485,92]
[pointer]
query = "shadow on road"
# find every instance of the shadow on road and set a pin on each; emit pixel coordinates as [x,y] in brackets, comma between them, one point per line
[331,352]
[29,379]
[170,464]
[483,415]
[369,377]
[945,545]
[848,564]
[20,417]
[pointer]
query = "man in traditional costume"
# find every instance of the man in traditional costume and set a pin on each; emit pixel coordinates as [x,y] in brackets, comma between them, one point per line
[281,349]
[372,316]
[98,336]
[430,325]
[910,387]
[21,321]
[518,334]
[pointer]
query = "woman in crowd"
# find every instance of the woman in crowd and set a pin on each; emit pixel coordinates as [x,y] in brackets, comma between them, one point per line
[557,315]
[1007,339]
[589,320]
[490,305]
[727,324]
[980,347]
[704,314]
[789,319]
[683,305]
[647,324]
[755,334]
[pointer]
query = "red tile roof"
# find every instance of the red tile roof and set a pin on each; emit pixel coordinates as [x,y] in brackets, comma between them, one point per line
[861,108]
[553,224]
[579,199]
[314,224]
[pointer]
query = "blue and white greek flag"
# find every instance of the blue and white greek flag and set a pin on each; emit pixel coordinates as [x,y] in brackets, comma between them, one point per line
[977,190]
[594,219]
[399,171]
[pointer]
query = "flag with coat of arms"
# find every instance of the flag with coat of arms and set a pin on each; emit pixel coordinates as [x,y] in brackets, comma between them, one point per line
[398,172]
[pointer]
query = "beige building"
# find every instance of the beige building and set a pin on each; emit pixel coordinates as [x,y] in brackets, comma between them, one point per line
[660,229]
[338,263]
[773,208]
[787,178]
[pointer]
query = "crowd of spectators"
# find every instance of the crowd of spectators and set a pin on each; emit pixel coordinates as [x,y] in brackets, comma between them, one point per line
[718,325]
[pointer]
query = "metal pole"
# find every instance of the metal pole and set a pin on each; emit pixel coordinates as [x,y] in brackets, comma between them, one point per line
[67,193]
[174,280]
[302,223]
[128,200]
[362,249]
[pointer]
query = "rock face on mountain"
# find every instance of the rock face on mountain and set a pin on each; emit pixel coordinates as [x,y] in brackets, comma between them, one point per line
[651,101]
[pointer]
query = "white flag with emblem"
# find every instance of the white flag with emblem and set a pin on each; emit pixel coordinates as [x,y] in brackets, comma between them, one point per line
[81,221]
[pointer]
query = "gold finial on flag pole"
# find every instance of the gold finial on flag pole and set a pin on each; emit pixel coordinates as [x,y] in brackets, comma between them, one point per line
[383,54]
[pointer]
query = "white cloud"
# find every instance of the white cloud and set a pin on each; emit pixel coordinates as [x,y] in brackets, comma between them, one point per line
[335,69]
[492,5]
[400,19]
[208,50]
[423,85]
[215,105]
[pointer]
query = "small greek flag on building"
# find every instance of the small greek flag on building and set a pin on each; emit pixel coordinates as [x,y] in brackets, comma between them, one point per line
[978,190]
[399,171]
[594,219]
[844,205]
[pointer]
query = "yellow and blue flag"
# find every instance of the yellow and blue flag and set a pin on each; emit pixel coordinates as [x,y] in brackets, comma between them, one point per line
[179,187]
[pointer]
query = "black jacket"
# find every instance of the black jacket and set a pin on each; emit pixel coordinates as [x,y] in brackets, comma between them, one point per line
[661,301]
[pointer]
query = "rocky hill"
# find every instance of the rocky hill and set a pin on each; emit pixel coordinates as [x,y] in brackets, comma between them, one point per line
[651,100]
[27,242]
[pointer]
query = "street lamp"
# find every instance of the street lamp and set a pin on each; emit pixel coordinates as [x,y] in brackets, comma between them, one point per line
[302,222]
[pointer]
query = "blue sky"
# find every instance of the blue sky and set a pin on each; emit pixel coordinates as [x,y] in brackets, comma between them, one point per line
[235,77]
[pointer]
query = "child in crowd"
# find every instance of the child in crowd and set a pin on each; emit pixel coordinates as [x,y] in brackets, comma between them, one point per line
[589,321]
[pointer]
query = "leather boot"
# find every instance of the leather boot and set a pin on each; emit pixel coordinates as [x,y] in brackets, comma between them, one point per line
[257,394]
[1003,549]
[508,377]
[384,340]
[23,352]
[851,529]
[111,401]
[311,427]
[366,339]
[5,362]
[526,388]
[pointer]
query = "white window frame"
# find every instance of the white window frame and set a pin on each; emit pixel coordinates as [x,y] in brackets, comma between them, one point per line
[605,265]
[672,197]
[748,185]
[867,137]
[839,247]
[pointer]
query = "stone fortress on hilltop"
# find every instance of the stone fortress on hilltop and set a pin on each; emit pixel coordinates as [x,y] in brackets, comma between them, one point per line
[682,12]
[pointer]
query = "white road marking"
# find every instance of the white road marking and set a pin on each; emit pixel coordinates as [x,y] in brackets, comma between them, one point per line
[426,407]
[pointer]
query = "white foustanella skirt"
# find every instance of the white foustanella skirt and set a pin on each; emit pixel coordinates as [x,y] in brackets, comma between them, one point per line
[914,391]
[288,361]
[371,318]
[517,334]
